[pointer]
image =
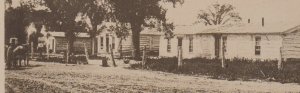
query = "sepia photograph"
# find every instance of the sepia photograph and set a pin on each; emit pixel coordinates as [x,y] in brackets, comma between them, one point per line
[150,46]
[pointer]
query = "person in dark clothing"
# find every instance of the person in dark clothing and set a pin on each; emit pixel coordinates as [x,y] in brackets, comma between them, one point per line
[10,58]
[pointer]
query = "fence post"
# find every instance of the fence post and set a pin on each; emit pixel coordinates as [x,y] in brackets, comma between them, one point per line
[47,50]
[32,52]
[67,54]
[279,64]
[179,57]
[144,57]
[86,53]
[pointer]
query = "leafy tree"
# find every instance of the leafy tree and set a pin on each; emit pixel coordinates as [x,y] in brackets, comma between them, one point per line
[12,27]
[95,11]
[18,19]
[63,15]
[137,13]
[122,32]
[218,14]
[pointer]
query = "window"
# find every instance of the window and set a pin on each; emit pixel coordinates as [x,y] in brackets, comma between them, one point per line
[257,45]
[191,44]
[179,41]
[168,45]
[101,42]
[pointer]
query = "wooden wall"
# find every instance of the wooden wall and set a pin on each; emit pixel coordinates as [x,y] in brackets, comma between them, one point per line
[61,44]
[291,45]
[150,41]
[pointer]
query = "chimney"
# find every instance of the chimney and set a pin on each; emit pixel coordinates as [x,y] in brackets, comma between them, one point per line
[263,22]
[248,20]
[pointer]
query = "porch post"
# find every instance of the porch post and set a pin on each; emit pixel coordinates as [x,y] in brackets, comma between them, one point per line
[179,57]
[222,52]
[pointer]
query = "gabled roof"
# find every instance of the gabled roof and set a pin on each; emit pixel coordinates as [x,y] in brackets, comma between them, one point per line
[62,34]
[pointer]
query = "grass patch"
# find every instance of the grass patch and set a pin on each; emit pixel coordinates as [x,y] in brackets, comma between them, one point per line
[237,69]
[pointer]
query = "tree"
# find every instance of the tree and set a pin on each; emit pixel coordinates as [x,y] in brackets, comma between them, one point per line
[122,31]
[218,14]
[18,19]
[15,23]
[62,18]
[95,11]
[137,13]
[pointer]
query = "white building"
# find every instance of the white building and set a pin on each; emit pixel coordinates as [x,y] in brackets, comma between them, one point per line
[238,41]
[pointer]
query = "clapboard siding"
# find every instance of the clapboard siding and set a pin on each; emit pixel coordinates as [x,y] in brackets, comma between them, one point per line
[150,41]
[61,44]
[291,45]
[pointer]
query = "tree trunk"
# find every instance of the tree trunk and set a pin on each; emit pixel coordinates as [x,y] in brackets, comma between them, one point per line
[32,51]
[120,48]
[86,53]
[94,45]
[69,50]
[112,56]
[136,29]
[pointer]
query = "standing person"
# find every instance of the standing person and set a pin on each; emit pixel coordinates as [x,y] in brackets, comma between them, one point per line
[10,58]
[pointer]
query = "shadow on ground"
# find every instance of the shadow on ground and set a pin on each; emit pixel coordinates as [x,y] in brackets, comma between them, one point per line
[24,67]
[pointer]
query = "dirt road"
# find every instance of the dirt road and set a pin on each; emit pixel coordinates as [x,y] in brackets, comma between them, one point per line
[54,77]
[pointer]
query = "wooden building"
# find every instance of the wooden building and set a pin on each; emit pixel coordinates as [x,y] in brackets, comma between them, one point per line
[57,42]
[148,38]
[270,42]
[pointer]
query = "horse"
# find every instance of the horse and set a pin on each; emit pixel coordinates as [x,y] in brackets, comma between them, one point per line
[21,53]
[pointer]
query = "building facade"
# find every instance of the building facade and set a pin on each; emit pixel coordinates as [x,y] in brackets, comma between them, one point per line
[234,41]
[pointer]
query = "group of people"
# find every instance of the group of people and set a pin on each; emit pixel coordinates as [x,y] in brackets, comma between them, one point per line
[16,53]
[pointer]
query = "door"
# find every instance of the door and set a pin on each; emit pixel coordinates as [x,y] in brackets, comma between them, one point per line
[217,45]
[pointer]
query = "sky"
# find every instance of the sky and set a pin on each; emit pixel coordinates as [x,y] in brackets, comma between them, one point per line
[273,11]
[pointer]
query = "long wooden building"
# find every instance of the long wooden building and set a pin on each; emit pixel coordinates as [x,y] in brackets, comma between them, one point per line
[148,39]
[269,42]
